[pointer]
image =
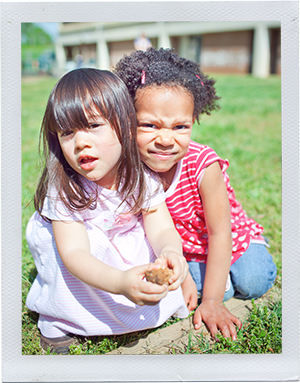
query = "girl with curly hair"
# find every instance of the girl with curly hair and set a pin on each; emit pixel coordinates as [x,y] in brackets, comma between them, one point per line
[225,249]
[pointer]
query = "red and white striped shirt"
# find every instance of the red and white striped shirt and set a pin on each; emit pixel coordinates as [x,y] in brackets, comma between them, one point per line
[185,205]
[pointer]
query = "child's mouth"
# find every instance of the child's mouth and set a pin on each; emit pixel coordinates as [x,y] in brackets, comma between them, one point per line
[87,163]
[164,156]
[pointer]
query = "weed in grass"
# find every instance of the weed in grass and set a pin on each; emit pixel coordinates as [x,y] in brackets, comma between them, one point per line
[90,347]
[97,345]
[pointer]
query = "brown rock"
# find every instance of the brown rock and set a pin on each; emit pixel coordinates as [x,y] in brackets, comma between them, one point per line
[160,276]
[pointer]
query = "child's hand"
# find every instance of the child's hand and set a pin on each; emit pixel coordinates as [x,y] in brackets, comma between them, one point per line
[139,291]
[216,317]
[178,264]
[190,293]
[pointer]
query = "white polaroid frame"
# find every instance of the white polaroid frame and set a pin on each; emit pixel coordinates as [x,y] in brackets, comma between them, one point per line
[146,368]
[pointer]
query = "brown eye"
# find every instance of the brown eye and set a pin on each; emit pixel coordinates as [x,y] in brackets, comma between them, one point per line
[94,126]
[150,126]
[181,127]
[66,133]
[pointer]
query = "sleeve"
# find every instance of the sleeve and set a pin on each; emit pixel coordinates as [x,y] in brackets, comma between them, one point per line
[55,210]
[155,193]
[207,157]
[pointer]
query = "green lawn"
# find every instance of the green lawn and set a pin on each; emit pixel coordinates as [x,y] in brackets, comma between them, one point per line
[246,131]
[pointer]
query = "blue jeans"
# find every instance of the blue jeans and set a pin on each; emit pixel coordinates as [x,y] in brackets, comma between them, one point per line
[252,275]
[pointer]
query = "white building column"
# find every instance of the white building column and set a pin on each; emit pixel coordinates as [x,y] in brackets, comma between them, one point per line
[60,55]
[183,46]
[103,58]
[163,37]
[261,51]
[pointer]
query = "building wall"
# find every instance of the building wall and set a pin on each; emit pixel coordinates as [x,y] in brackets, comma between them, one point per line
[228,52]
[88,51]
[275,44]
[228,47]
[117,49]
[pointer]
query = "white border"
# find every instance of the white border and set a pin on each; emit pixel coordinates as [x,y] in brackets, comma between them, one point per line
[108,368]
[137,1]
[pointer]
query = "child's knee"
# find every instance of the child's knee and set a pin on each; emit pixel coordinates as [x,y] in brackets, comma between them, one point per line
[229,294]
[254,273]
[253,287]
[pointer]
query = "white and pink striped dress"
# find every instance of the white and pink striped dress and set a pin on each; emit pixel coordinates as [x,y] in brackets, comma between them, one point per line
[66,304]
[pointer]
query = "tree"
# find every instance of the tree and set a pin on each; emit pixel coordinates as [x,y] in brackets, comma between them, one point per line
[32,34]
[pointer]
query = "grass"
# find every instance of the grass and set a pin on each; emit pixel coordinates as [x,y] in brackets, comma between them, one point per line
[246,131]
[261,333]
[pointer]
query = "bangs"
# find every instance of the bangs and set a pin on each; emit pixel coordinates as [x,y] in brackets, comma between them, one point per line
[80,98]
[75,101]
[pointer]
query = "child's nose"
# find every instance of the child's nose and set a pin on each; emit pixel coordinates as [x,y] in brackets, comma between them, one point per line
[165,137]
[82,140]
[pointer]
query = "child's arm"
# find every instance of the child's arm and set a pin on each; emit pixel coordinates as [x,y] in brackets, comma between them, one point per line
[218,221]
[166,243]
[74,248]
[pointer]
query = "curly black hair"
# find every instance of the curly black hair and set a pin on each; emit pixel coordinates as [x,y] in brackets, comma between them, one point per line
[164,67]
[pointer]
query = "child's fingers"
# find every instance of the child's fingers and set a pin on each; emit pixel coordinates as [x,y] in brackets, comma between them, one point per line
[197,319]
[153,288]
[153,299]
[232,330]
[148,287]
[228,329]
[152,293]
[236,321]
[141,270]
[224,327]
[214,330]
[161,262]
[176,268]
[177,278]
[192,302]
[141,292]
[174,285]
[176,273]
[180,270]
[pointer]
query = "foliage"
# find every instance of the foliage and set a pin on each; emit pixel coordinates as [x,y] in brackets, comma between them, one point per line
[37,50]
[31,34]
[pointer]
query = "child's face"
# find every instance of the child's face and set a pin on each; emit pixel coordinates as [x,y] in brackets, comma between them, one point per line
[93,152]
[165,120]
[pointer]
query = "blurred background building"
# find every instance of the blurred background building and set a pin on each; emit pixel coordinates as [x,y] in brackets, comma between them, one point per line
[219,47]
